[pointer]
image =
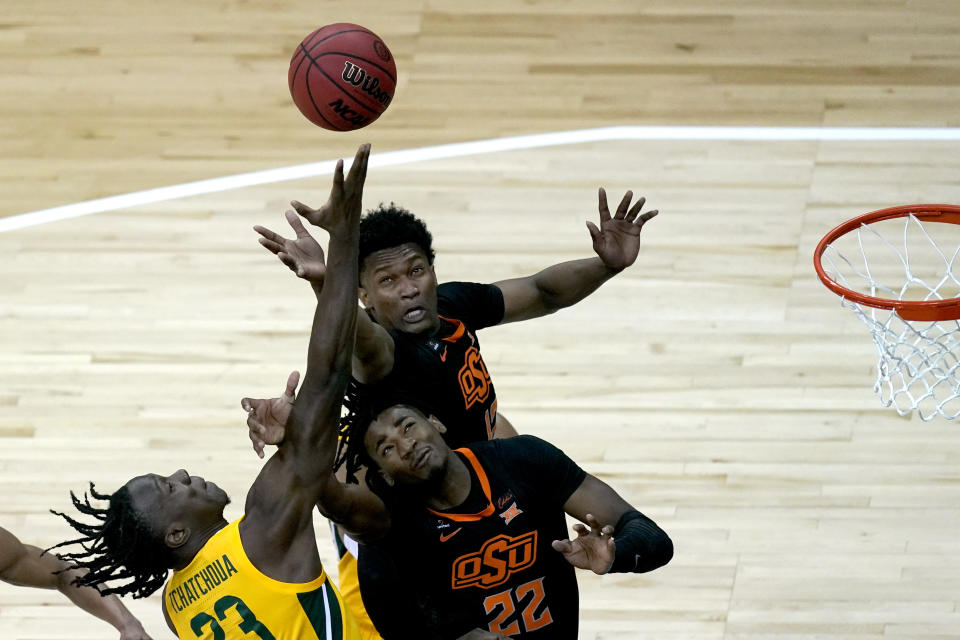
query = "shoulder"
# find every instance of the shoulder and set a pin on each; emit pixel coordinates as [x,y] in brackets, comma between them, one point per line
[471,302]
[526,448]
[533,462]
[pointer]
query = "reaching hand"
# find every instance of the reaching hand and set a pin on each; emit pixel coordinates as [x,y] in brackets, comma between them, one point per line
[303,255]
[342,210]
[617,241]
[593,549]
[267,418]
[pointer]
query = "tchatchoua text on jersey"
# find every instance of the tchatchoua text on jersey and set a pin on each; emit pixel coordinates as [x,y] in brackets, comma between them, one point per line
[200,583]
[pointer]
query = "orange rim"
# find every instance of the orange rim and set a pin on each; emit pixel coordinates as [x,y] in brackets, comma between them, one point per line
[919,310]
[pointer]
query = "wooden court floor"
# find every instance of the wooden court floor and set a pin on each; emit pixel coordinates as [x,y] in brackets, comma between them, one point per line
[716,384]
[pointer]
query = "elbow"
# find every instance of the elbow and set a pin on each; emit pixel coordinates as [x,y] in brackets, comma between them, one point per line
[662,551]
[658,551]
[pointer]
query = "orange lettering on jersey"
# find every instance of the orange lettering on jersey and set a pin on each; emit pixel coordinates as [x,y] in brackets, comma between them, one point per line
[474,379]
[498,558]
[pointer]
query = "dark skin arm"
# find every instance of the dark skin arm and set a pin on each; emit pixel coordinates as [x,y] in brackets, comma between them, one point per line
[277,532]
[617,244]
[27,566]
[505,428]
[373,350]
[600,507]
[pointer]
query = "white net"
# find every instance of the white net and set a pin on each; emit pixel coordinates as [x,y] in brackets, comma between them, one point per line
[919,362]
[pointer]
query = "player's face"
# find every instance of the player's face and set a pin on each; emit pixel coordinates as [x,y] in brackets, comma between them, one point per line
[399,286]
[178,498]
[408,448]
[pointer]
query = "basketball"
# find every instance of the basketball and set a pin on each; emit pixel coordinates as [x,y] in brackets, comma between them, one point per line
[342,77]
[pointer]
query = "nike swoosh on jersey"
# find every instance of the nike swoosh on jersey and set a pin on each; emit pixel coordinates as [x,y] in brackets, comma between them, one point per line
[444,538]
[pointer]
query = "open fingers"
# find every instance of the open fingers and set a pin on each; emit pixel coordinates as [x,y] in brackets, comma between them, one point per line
[270,246]
[635,209]
[604,209]
[624,204]
[288,260]
[294,220]
[642,220]
[594,231]
[273,242]
[563,546]
[358,169]
[258,444]
[292,381]
[254,425]
[302,209]
[596,527]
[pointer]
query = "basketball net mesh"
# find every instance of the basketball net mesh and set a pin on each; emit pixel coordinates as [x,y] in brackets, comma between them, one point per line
[919,362]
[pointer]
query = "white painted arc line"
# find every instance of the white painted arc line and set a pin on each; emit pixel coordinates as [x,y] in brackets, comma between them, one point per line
[408,156]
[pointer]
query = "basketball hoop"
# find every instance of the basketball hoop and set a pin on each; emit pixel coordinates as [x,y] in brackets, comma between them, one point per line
[909,298]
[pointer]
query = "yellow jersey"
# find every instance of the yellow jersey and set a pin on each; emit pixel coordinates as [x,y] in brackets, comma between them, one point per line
[220,595]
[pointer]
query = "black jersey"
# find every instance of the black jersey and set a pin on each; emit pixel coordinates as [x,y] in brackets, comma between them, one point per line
[447,366]
[489,563]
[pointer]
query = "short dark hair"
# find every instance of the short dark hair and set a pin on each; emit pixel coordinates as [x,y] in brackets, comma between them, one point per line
[122,545]
[391,226]
[364,402]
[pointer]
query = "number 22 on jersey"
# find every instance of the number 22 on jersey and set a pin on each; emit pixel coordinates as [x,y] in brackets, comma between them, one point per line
[505,604]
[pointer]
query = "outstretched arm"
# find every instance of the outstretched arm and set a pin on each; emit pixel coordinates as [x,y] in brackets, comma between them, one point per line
[278,528]
[26,565]
[373,351]
[617,244]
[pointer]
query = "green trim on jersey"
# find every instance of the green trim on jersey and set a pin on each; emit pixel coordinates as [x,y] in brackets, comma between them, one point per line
[321,606]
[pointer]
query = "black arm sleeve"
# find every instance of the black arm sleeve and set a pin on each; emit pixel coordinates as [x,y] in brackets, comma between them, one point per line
[641,545]
[476,305]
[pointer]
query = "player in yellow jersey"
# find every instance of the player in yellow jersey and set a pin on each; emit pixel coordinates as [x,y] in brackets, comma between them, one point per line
[259,577]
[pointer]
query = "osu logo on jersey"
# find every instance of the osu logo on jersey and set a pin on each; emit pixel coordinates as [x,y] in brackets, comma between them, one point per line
[474,379]
[498,558]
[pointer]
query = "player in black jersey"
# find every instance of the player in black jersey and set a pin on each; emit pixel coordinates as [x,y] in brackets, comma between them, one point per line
[479,533]
[417,329]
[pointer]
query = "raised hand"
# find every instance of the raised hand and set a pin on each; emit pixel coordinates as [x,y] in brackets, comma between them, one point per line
[592,549]
[303,254]
[267,418]
[342,209]
[617,240]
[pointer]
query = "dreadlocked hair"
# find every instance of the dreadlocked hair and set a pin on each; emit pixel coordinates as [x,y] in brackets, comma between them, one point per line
[363,403]
[119,546]
[351,429]
[391,226]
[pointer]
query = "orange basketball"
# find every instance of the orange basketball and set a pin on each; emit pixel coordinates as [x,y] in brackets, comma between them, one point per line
[342,77]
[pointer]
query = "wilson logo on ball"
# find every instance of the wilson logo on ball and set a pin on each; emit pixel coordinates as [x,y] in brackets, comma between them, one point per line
[370,85]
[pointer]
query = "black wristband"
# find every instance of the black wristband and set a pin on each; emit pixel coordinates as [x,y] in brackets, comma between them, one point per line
[640,544]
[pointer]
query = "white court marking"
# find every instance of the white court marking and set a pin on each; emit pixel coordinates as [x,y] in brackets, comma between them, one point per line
[408,156]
